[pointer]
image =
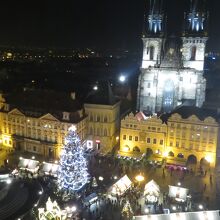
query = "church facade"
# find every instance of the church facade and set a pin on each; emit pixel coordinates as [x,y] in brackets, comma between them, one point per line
[172,67]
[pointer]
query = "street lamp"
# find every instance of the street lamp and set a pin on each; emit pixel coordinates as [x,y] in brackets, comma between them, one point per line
[179,183]
[139,178]
[146,210]
[174,208]
[122,78]
[201,206]
[101,178]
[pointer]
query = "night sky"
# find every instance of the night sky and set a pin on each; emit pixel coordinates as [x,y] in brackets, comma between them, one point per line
[87,23]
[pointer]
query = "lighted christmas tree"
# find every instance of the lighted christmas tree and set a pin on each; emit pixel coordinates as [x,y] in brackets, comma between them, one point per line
[72,171]
[127,212]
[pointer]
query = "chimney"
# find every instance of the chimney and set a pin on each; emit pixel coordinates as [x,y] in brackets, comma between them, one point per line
[73,95]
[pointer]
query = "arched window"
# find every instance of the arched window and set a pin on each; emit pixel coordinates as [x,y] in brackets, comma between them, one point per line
[151,52]
[193,53]
[171,154]
[136,149]
[105,119]
[180,155]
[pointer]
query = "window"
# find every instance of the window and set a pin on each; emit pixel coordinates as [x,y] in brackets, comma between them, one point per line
[171,143]
[124,137]
[161,142]
[105,132]
[151,52]
[34,148]
[136,138]
[193,53]
[98,118]
[148,85]
[130,138]
[154,141]
[105,119]
[148,140]
[177,144]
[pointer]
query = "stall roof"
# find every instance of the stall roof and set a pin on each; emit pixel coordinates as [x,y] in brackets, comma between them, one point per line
[214,215]
[28,164]
[121,186]
[50,168]
[151,186]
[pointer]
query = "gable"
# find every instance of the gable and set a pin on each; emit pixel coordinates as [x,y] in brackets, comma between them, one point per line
[193,118]
[16,112]
[49,117]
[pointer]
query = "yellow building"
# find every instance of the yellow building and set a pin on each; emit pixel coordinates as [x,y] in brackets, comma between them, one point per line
[189,135]
[192,135]
[103,126]
[27,124]
[141,134]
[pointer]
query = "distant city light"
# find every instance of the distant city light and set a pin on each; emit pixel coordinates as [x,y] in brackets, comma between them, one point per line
[95,87]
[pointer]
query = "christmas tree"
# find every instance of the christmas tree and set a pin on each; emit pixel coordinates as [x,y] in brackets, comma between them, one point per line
[127,212]
[72,171]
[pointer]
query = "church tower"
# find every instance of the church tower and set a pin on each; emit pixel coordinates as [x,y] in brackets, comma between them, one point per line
[153,34]
[195,35]
[172,66]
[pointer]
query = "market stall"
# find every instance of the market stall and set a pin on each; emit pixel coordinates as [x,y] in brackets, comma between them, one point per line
[121,186]
[28,164]
[151,192]
[50,168]
[178,193]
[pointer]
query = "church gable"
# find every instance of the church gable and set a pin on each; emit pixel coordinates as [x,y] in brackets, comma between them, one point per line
[49,117]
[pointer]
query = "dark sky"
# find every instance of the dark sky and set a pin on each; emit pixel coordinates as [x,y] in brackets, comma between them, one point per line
[83,23]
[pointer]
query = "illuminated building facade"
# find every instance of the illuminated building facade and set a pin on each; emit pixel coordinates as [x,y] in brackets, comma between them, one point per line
[172,67]
[140,134]
[28,128]
[103,124]
[188,134]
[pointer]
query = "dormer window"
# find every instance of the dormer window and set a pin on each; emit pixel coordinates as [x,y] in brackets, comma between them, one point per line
[66,116]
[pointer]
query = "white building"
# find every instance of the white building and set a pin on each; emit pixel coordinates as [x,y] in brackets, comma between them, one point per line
[172,68]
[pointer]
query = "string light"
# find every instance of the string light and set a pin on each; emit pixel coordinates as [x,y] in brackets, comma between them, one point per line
[72,171]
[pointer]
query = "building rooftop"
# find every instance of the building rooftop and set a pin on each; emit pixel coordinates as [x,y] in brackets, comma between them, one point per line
[187,111]
[36,103]
[103,95]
